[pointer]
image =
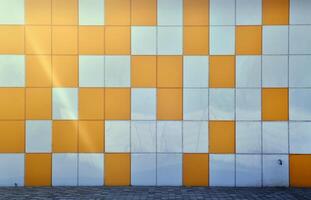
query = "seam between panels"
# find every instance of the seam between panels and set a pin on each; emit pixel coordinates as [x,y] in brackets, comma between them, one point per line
[208,121]
[78,89]
[156,109]
[25,95]
[104,106]
[235,48]
[288,90]
[235,103]
[261,136]
[103,88]
[261,111]
[165,25]
[105,93]
[51,82]
[182,93]
[130,77]
[51,86]
[208,92]
[182,105]
[261,108]
[261,122]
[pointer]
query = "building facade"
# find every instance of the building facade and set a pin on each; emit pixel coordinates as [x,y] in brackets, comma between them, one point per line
[155,92]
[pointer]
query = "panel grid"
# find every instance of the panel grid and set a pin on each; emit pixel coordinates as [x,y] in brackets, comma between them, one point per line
[155,92]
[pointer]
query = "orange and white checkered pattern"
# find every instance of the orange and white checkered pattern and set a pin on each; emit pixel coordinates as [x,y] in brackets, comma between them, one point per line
[155,92]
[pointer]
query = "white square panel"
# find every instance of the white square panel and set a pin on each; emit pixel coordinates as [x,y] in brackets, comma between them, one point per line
[169,169]
[65,103]
[299,71]
[274,71]
[195,104]
[248,12]
[248,170]
[91,12]
[248,137]
[300,12]
[275,40]
[12,70]
[248,71]
[222,170]
[222,40]
[222,12]
[275,170]
[170,40]
[12,169]
[170,12]
[300,104]
[91,71]
[143,169]
[195,71]
[38,136]
[248,104]
[117,71]
[144,40]
[143,136]
[300,137]
[91,169]
[169,136]
[195,136]
[117,136]
[300,40]
[143,104]
[275,137]
[221,106]
[12,12]
[65,169]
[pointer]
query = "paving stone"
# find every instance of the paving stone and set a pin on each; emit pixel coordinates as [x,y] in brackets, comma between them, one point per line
[159,193]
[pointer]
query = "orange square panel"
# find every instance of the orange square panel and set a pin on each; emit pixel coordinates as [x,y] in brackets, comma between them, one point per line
[117,169]
[195,169]
[38,71]
[38,169]
[118,12]
[65,136]
[38,39]
[196,12]
[143,71]
[170,71]
[12,103]
[91,136]
[196,40]
[222,137]
[222,72]
[275,12]
[65,12]
[275,104]
[117,104]
[12,39]
[300,173]
[12,136]
[118,40]
[38,12]
[91,39]
[248,40]
[169,104]
[65,40]
[144,12]
[65,71]
[38,103]
[91,103]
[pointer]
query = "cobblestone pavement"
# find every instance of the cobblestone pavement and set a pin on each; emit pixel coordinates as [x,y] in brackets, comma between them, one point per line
[159,193]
